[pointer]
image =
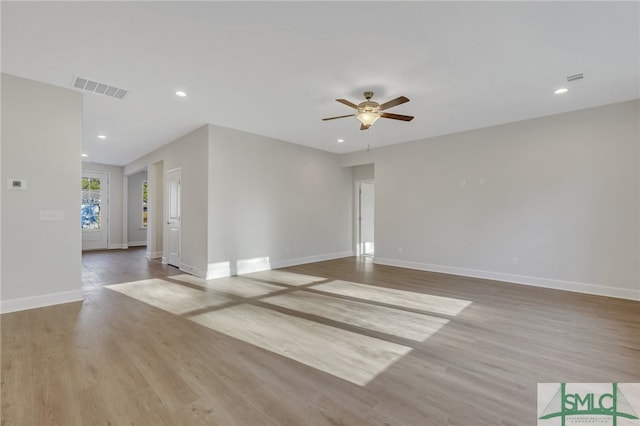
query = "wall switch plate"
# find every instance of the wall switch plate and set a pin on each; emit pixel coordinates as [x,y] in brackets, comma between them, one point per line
[51,215]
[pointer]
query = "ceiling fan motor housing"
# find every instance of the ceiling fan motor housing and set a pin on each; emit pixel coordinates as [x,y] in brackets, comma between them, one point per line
[368,106]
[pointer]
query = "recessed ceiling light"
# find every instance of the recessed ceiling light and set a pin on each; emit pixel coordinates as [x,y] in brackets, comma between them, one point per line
[340,140]
[560,91]
[181,94]
[84,155]
[102,137]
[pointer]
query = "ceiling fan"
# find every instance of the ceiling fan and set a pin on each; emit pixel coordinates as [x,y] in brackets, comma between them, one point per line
[369,111]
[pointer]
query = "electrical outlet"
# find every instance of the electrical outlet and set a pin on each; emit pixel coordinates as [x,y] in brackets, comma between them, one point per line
[463,182]
[400,250]
[514,261]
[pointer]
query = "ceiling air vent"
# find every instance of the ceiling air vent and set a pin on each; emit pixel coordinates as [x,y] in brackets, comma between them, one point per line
[574,77]
[100,88]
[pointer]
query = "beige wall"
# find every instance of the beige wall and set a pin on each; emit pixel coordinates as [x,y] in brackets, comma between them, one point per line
[363,172]
[248,199]
[560,193]
[274,201]
[41,143]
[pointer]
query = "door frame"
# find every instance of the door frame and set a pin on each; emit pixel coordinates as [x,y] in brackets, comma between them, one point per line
[104,206]
[357,215]
[167,203]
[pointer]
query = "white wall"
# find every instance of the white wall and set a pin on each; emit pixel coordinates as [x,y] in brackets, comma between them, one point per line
[190,153]
[274,201]
[137,235]
[41,143]
[560,193]
[253,201]
[155,211]
[116,206]
[363,172]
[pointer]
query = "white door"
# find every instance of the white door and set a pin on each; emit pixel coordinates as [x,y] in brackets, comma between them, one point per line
[94,206]
[366,205]
[173,216]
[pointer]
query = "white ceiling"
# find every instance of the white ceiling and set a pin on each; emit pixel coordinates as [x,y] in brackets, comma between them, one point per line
[275,68]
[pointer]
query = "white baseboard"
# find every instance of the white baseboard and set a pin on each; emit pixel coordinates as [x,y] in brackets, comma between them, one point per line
[226,269]
[218,270]
[309,259]
[137,243]
[596,289]
[193,270]
[154,254]
[118,246]
[23,303]
[164,260]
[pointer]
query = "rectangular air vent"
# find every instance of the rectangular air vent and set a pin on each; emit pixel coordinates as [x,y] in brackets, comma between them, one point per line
[101,88]
[574,77]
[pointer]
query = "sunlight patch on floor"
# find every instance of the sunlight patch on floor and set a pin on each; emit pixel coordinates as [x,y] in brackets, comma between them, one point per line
[235,286]
[283,277]
[350,356]
[400,298]
[170,297]
[396,322]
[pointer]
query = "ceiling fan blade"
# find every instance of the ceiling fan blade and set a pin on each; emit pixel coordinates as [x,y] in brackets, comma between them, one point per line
[393,102]
[363,127]
[347,103]
[340,116]
[397,116]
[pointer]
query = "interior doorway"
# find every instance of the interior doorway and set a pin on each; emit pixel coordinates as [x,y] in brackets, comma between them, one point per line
[366,231]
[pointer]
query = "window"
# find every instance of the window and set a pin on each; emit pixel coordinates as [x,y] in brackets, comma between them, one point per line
[90,206]
[144,204]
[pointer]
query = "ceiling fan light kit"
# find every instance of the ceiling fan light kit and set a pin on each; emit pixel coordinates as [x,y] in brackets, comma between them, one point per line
[367,118]
[369,111]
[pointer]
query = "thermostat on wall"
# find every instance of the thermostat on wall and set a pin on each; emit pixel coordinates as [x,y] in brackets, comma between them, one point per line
[17,184]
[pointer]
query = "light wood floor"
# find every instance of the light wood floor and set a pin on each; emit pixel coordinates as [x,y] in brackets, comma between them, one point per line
[342,342]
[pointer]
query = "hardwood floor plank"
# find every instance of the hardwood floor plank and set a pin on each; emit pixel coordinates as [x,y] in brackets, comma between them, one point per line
[347,355]
[163,379]
[347,410]
[223,409]
[55,399]
[16,370]
[232,286]
[168,296]
[278,276]
[275,347]
[399,298]
[396,322]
